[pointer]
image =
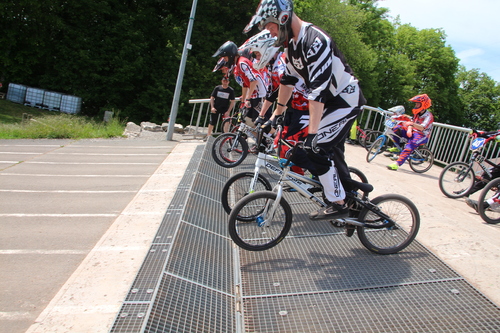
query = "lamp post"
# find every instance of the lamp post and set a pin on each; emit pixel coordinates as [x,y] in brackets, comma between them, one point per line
[180,75]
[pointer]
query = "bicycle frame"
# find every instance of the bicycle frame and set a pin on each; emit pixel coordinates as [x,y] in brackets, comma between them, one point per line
[299,186]
[479,158]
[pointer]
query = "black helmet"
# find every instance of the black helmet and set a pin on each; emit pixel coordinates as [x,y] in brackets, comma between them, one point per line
[228,49]
[274,11]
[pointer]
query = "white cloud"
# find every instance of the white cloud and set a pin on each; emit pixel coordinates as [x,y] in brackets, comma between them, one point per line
[470,26]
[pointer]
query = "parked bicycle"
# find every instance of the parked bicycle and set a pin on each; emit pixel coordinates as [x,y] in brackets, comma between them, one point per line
[420,160]
[230,149]
[366,137]
[385,225]
[459,179]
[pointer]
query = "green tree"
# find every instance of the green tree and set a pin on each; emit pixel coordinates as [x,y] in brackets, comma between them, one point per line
[480,97]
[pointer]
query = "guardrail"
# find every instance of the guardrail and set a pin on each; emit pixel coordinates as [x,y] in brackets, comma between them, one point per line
[448,143]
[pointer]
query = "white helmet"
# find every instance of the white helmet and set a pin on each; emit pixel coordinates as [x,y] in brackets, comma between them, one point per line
[398,109]
[274,11]
[262,43]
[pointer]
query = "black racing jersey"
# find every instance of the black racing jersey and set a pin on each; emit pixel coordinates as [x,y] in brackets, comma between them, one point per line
[316,58]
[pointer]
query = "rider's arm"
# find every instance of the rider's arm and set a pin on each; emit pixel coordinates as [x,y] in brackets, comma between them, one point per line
[283,96]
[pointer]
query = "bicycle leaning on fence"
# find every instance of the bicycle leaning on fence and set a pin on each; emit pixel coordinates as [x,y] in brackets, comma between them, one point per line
[366,137]
[458,179]
[261,220]
[420,160]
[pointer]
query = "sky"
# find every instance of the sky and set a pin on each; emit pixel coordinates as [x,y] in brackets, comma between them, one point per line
[471,26]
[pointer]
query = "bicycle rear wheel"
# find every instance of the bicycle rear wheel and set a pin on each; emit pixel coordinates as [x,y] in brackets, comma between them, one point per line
[238,186]
[421,160]
[487,202]
[389,240]
[229,150]
[456,180]
[370,138]
[261,231]
[375,149]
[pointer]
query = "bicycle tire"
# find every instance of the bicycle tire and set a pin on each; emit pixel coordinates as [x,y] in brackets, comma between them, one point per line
[394,239]
[489,215]
[250,235]
[228,124]
[376,148]
[358,175]
[456,180]
[238,186]
[226,154]
[421,160]
[370,138]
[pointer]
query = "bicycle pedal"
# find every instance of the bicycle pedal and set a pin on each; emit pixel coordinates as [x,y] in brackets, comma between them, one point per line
[337,223]
[315,189]
[349,230]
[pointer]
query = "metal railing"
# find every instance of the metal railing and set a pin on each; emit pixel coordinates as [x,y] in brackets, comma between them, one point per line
[448,143]
[201,116]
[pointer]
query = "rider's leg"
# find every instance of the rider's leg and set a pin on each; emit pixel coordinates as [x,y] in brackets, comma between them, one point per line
[416,140]
[333,130]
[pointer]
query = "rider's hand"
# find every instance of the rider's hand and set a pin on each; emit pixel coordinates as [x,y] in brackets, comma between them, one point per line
[310,144]
[278,120]
[266,127]
[259,121]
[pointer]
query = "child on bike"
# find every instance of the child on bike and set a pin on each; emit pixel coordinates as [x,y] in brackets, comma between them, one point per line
[417,131]
[253,84]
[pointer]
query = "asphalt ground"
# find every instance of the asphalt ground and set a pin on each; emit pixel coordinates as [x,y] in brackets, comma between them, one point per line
[77,219]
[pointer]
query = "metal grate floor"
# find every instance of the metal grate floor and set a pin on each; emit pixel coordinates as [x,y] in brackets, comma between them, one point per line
[317,280]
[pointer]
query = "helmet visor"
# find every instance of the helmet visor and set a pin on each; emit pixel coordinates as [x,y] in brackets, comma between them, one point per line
[221,63]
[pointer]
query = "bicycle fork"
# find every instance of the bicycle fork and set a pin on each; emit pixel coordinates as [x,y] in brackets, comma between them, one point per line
[264,220]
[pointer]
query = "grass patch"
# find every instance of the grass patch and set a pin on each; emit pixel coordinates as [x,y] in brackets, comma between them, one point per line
[44,124]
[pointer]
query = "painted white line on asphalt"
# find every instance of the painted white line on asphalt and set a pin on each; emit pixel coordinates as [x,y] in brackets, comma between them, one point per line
[91,163]
[14,315]
[65,191]
[43,252]
[50,175]
[57,215]
[80,154]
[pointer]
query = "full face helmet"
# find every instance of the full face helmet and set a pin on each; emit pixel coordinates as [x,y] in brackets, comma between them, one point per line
[274,11]
[263,44]
[422,102]
[228,49]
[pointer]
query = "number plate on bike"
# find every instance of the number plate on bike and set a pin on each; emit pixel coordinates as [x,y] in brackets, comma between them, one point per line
[390,123]
[477,143]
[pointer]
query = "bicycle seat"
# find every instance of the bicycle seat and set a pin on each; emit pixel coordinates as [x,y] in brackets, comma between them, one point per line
[353,185]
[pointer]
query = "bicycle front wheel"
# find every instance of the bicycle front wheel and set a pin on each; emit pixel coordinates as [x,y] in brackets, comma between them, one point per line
[456,180]
[229,150]
[421,160]
[370,138]
[487,204]
[238,186]
[389,240]
[265,228]
[375,149]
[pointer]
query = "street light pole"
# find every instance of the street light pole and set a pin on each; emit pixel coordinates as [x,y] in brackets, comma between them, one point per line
[180,75]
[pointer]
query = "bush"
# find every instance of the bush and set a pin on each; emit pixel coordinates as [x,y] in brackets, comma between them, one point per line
[62,126]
